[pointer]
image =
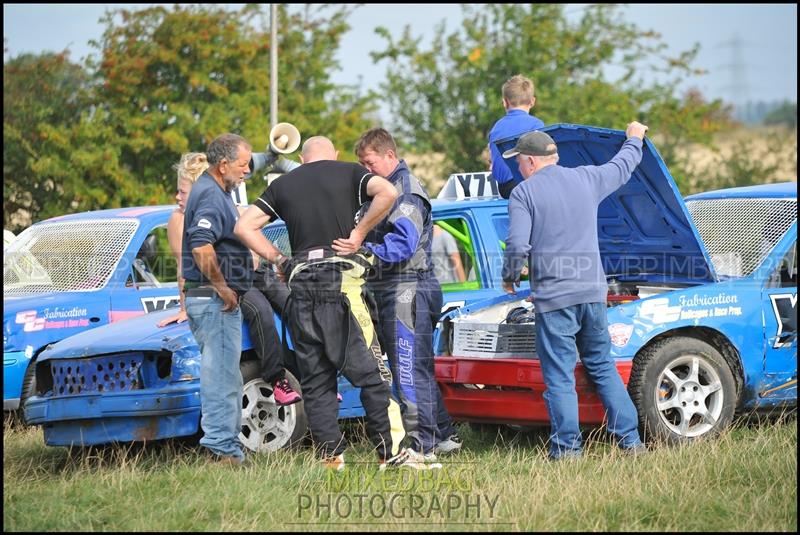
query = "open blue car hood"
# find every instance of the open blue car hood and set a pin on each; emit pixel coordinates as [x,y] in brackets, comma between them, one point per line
[644,228]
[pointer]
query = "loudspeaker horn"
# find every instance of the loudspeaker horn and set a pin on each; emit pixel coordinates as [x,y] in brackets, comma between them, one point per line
[284,138]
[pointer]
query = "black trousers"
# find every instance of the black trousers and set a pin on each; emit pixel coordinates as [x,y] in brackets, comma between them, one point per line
[332,330]
[267,295]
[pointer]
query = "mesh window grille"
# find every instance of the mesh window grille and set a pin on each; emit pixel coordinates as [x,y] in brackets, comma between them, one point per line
[738,233]
[279,236]
[74,256]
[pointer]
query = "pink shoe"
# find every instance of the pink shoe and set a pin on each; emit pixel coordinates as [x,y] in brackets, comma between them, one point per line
[285,394]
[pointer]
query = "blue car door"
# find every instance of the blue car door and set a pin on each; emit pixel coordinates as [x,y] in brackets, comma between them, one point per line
[146,279]
[779,306]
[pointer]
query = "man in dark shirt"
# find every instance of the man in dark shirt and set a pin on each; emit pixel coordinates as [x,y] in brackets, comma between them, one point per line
[217,268]
[326,315]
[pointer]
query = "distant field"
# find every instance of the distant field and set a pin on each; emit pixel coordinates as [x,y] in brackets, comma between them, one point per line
[744,481]
[770,145]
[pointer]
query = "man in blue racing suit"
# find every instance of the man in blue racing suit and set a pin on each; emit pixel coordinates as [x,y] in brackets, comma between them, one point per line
[408,299]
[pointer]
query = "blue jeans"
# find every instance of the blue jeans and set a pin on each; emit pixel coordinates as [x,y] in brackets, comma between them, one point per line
[219,336]
[561,335]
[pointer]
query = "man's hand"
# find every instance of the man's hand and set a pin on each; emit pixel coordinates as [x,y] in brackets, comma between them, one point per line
[636,129]
[508,287]
[351,245]
[280,267]
[180,317]
[229,297]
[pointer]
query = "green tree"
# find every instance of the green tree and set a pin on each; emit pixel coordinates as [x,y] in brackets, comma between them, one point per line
[40,91]
[447,98]
[168,81]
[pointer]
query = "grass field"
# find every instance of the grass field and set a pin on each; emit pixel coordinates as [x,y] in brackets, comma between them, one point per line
[746,480]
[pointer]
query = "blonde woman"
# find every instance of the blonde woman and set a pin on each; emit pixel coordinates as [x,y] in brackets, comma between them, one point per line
[190,167]
[257,303]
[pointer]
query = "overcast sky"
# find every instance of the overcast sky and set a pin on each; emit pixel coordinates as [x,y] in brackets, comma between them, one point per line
[750,51]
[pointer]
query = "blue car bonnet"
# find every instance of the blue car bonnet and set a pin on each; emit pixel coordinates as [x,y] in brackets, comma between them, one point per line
[139,333]
[644,228]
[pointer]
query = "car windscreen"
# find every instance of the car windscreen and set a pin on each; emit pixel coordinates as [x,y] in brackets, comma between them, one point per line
[739,232]
[66,255]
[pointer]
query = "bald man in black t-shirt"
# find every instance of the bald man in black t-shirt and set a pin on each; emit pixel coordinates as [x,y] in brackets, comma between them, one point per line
[329,322]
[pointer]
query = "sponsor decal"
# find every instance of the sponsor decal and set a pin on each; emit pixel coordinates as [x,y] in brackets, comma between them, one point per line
[710,306]
[620,333]
[406,209]
[784,306]
[707,300]
[52,318]
[659,311]
[405,360]
[204,223]
[151,304]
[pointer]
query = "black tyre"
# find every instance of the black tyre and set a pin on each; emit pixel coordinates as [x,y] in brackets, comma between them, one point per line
[683,389]
[267,426]
[28,389]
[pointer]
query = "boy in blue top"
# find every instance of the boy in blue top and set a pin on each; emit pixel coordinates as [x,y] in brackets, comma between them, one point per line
[553,222]
[518,100]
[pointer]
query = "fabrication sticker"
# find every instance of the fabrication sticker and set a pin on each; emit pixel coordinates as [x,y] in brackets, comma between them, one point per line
[55,318]
[695,307]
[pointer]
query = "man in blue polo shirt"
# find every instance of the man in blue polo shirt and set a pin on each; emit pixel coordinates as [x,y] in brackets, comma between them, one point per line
[518,100]
[218,269]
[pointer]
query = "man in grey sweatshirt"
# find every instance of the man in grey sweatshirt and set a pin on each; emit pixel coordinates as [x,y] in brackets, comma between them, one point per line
[553,224]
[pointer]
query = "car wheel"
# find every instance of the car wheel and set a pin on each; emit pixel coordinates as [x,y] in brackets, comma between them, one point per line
[267,426]
[28,389]
[683,389]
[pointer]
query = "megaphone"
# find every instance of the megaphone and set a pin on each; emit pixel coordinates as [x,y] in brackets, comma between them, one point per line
[284,138]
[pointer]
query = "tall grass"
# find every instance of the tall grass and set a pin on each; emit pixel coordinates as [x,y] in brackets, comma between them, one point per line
[745,480]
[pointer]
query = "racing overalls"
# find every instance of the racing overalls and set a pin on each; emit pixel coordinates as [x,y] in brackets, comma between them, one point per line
[332,329]
[409,303]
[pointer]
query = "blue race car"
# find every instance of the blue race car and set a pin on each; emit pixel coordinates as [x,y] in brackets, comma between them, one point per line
[702,308]
[77,272]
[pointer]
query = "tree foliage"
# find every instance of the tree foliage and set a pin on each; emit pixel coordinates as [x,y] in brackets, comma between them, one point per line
[40,93]
[168,81]
[447,97]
